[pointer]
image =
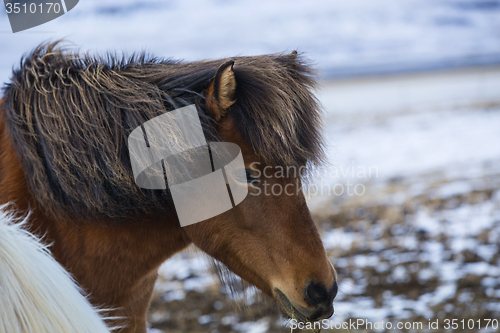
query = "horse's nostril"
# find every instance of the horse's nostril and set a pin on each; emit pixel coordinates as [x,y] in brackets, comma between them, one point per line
[316,294]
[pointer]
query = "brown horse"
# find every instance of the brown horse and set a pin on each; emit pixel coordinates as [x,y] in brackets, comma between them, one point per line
[64,123]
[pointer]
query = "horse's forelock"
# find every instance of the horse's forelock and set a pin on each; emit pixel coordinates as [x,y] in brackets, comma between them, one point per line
[276,110]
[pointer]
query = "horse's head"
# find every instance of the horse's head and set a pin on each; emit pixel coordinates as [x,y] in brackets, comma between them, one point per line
[270,239]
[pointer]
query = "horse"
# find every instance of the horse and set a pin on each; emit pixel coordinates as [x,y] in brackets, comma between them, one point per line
[64,123]
[38,294]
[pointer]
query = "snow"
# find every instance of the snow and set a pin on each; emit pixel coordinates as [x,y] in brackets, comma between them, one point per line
[376,131]
[482,268]
[443,293]
[183,272]
[338,238]
[418,142]
[452,189]
[252,327]
[459,226]
[342,37]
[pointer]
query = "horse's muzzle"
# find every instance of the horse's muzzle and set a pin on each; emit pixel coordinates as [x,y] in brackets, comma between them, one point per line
[316,296]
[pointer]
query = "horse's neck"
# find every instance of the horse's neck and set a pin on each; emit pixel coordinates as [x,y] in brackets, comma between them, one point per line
[116,263]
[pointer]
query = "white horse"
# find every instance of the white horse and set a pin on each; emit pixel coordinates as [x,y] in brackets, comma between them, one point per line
[36,293]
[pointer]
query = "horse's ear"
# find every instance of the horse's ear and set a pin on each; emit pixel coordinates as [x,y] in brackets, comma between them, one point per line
[221,91]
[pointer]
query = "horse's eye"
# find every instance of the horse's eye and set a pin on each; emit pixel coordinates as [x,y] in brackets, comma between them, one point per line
[251,177]
[246,176]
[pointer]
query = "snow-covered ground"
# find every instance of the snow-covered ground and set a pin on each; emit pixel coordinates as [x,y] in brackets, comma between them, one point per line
[382,128]
[342,37]
[422,241]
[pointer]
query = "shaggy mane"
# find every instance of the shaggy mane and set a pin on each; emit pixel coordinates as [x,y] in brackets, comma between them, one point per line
[69,117]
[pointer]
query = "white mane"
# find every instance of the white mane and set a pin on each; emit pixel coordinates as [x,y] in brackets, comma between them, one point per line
[36,292]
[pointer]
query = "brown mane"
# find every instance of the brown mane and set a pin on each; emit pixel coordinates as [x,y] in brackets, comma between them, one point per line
[69,118]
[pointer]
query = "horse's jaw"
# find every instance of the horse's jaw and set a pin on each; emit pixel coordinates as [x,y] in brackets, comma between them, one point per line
[299,313]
